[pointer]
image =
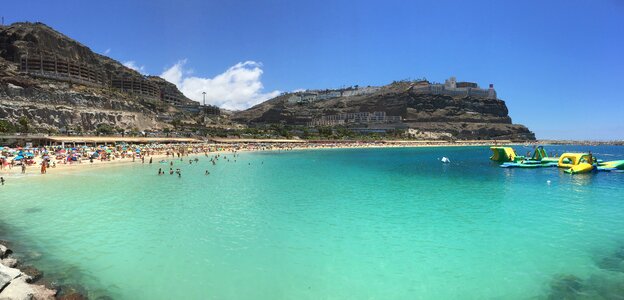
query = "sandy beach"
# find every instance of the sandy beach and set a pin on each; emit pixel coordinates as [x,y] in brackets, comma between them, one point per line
[167,152]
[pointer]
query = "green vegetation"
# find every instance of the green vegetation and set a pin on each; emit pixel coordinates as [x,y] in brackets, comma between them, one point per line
[23,122]
[7,127]
[104,129]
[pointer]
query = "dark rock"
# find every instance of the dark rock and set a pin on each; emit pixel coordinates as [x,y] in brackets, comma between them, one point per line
[33,273]
[565,287]
[9,261]
[606,286]
[71,291]
[72,296]
[4,251]
[613,262]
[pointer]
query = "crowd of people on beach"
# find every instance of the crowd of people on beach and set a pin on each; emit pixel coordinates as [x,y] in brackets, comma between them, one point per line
[49,157]
[53,156]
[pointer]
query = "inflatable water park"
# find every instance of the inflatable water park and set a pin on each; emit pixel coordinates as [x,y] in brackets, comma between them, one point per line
[572,163]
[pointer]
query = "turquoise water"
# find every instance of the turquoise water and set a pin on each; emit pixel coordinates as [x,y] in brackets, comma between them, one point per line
[327,224]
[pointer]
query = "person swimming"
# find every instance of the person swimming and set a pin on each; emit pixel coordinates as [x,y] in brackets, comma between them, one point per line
[170,171]
[159,171]
[207,173]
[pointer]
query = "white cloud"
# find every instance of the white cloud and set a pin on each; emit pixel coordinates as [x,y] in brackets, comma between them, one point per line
[133,65]
[107,51]
[239,87]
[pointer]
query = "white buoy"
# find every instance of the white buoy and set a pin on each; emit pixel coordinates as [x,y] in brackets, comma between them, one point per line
[445,160]
[548,181]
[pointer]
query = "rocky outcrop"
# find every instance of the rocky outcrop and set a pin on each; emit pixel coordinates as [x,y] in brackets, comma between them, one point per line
[18,285]
[459,117]
[68,86]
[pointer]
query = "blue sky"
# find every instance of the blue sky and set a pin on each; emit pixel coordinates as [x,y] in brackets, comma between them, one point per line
[558,64]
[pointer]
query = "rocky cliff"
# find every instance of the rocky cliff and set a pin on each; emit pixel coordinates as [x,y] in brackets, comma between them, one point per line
[57,83]
[424,114]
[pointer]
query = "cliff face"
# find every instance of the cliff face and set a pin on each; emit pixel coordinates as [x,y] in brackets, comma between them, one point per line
[56,82]
[440,115]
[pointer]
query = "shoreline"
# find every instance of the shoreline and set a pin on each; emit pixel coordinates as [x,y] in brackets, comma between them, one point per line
[64,168]
[203,149]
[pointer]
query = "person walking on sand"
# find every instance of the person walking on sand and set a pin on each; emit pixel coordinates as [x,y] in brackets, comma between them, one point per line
[23,168]
[150,161]
[43,167]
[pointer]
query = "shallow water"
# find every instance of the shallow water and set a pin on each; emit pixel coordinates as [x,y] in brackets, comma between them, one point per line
[327,224]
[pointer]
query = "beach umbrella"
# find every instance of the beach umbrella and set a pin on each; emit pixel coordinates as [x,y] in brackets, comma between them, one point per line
[19,157]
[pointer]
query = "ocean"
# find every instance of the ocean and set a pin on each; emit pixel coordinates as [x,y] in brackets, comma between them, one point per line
[391,223]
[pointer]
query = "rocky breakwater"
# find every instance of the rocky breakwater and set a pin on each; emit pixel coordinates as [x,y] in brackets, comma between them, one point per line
[20,283]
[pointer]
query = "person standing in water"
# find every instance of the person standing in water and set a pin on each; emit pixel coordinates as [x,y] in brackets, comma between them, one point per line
[2,180]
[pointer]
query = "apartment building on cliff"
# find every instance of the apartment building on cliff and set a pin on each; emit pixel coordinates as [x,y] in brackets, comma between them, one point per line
[452,87]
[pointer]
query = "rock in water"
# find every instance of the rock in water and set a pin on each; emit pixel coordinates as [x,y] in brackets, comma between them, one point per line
[19,289]
[4,251]
[565,287]
[9,262]
[7,275]
[32,273]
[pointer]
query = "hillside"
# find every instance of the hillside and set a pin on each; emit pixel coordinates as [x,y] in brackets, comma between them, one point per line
[57,83]
[423,112]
